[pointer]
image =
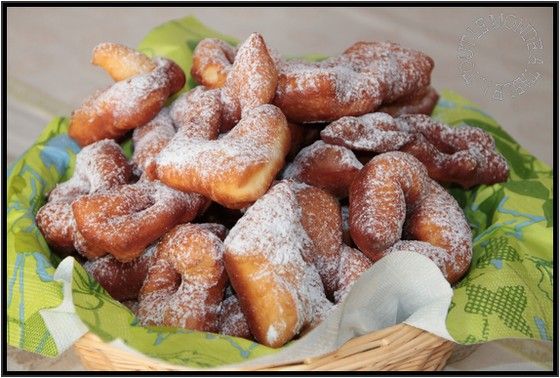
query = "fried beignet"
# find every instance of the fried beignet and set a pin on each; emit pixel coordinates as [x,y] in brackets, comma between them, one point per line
[124,220]
[186,281]
[352,264]
[321,220]
[393,198]
[212,60]
[463,155]
[356,82]
[325,166]
[201,107]
[280,293]
[121,62]
[101,165]
[377,132]
[121,280]
[422,102]
[234,170]
[250,83]
[149,140]
[127,104]
[232,321]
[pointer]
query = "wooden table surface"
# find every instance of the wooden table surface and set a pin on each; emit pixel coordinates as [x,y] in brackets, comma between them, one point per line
[49,73]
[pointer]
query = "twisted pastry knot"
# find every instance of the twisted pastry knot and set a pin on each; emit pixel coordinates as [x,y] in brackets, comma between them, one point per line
[393,198]
[99,166]
[234,170]
[186,282]
[463,155]
[124,220]
[141,89]
[365,76]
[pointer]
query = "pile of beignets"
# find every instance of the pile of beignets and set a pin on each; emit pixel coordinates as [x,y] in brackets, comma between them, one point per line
[253,202]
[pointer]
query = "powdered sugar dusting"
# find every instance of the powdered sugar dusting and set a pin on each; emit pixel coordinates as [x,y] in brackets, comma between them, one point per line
[449,229]
[271,229]
[352,264]
[232,321]
[376,132]
[380,196]
[232,170]
[100,165]
[186,284]
[126,97]
[464,155]
[150,139]
[198,110]
[251,81]
[401,71]
[325,166]
[125,219]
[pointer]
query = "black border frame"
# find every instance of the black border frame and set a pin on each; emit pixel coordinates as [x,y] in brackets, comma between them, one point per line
[481,4]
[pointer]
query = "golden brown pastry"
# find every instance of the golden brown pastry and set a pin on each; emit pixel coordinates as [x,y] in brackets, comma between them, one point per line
[186,281]
[250,83]
[212,60]
[393,198]
[356,82]
[322,222]
[463,155]
[101,165]
[232,321]
[233,170]
[127,104]
[325,166]
[121,280]
[280,293]
[422,102]
[124,220]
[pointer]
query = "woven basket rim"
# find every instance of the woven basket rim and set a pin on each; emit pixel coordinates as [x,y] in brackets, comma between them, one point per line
[398,347]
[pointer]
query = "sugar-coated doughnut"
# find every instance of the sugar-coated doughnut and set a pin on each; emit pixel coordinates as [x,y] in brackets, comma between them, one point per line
[356,82]
[352,264]
[200,111]
[251,81]
[422,102]
[149,140]
[280,293]
[127,104]
[325,166]
[101,165]
[232,321]
[186,282]
[463,155]
[377,132]
[124,220]
[233,170]
[121,62]
[212,60]
[393,198]
[321,220]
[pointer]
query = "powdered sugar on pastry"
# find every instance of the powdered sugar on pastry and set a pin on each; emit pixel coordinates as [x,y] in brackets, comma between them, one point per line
[233,170]
[264,261]
[371,132]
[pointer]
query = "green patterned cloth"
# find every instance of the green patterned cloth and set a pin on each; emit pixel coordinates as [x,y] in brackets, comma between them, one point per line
[507,293]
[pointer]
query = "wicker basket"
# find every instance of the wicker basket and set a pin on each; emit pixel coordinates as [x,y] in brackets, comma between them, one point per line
[400,347]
